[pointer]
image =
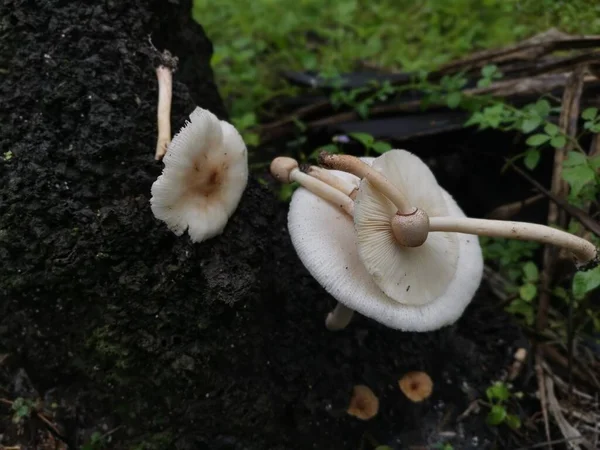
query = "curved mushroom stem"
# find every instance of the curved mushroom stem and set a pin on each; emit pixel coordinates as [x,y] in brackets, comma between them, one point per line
[339,318]
[336,182]
[165,94]
[355,166]
[286,170]
[584,251]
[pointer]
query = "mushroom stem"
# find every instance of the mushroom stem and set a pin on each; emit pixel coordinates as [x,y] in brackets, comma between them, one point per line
[339,318]
[336,182]
[583,250]
[355,166]
[165,94]
[286,170]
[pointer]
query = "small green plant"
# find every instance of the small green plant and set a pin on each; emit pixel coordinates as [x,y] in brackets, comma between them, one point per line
[22,408]
[97,442]
[362,99]
[244,124]
[443,446]
[370,143]
[499,397]
[514,262]
[489,74]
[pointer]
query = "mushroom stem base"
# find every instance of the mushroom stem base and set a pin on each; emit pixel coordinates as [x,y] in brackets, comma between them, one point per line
[583,250]
[339,318]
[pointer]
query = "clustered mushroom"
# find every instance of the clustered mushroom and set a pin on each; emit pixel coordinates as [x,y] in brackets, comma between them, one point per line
[204,177]
[384,239]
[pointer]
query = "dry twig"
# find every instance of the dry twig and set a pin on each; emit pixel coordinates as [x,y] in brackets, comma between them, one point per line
[568,125]
[509,210]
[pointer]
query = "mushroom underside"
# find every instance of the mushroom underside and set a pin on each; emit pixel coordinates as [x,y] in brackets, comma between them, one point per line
[325,241]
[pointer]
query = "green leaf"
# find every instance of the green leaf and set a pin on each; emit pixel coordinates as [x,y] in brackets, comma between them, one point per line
[364,138]
[532,158]
[551,129]
[475,119]
[246,121]
[589,113]
[363,110]
[23,411]
[489,70]
[381,147]
[251,139]
[537,139]
[522,308]
[542,107]
[561,293]
[595,162]
[530,124]
[575,159]
[484,82]
[531,272]
[498,391]
[558,141]
[453,99]
[528,292]
[585,282]
[578,177]
[513,421]
[496,415]
[383,447]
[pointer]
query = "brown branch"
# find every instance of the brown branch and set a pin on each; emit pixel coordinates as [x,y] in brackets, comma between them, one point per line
[568,125]
[543,394]
[581,372]
[298,114]
[579,214]
[504,212]
[516,88]
[530,49]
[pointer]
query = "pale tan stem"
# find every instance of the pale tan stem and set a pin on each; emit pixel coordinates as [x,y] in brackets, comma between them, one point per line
[583,250]
[165,94]
[339,318]
[336,182]
[323,190]
[355,166]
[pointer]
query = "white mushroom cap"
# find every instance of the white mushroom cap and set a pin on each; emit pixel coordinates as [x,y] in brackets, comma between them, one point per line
[412,276]
[325,241]
[205,174]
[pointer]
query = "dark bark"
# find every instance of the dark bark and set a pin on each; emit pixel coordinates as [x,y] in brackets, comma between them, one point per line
[121,323]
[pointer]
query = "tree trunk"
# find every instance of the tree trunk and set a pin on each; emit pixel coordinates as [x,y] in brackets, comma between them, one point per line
[134,331]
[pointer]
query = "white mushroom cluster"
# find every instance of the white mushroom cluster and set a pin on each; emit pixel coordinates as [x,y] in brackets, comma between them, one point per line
[205,175]
[384,239]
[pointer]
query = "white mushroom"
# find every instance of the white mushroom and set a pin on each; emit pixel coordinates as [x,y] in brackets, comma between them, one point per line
[409,275]
[205,174]
[411,226]
[414,268]
[325,241]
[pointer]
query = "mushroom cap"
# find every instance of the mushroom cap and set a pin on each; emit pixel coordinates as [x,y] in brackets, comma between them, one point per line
[409,275]
[205,174]
[325,241]
[417,386]
[364,404]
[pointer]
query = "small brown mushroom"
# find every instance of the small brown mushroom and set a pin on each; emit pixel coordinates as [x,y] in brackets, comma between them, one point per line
[364,404]
[417,386]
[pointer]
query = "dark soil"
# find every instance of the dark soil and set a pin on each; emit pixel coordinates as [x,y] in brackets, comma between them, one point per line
[124,329]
